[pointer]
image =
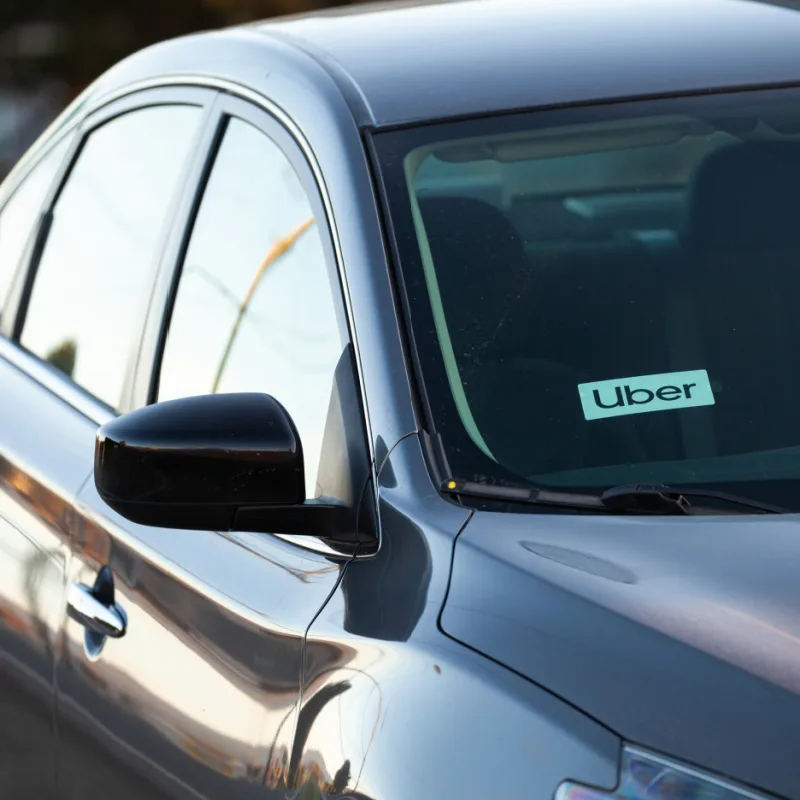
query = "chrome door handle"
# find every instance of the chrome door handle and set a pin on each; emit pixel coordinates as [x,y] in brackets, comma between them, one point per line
[86,609]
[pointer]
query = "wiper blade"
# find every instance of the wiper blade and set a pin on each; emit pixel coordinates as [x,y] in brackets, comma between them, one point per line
[659,499]
[532,496]
[636,499]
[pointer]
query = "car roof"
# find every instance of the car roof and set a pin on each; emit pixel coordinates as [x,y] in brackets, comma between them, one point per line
[427,60]
[400,62]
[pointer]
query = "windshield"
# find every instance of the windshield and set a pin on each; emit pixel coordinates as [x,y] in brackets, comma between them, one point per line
[608,295]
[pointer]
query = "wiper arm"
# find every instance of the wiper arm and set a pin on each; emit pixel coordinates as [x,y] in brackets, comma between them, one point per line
[659,499]
[641,498]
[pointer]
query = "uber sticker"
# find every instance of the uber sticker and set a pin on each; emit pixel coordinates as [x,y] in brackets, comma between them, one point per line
[663,392]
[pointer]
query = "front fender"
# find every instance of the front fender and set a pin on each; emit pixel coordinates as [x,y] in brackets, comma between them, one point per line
[392,708]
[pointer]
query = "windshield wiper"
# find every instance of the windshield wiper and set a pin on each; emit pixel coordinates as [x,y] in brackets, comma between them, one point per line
[532,496]
[659,499]
[641,498]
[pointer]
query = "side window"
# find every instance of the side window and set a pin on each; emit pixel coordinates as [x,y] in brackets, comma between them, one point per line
[255,309]
[97,269]
[21,213]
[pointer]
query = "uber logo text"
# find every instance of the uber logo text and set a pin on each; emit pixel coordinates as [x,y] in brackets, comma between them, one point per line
[645,393]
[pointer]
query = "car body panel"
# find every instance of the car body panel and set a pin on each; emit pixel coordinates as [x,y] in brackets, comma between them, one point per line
[552,54]
[680,634]
[201,692]
[45,455]
[403,706]
[434,60]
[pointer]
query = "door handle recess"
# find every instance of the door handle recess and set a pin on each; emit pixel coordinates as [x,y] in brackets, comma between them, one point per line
[94,615]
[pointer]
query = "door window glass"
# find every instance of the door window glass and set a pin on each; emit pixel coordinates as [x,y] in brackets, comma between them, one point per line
[255,309]
[96,273]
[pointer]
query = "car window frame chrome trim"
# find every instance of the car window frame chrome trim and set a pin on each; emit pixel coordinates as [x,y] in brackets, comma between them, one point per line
[98,412]
[37,234]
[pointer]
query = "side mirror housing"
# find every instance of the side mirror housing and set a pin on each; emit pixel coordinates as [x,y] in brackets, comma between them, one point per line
[214,462]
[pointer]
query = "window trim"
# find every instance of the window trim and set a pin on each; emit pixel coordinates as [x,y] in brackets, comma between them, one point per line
[40,225]
[12,183]
[144,377]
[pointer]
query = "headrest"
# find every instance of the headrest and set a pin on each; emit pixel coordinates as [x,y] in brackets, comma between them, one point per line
[479,260]
[745,197]
[471,228]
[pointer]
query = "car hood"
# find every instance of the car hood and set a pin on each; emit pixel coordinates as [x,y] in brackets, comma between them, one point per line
[681,634]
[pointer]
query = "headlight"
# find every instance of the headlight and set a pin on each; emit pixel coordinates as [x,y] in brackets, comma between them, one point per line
[648,777]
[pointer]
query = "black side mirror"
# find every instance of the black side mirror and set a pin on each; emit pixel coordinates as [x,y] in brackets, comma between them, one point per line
[215,462]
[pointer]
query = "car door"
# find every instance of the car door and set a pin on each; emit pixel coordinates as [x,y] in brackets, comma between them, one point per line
[198,697]
[49,417]
[33,547]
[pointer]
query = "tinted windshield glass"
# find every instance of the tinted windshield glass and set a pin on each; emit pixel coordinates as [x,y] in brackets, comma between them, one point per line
[608,295]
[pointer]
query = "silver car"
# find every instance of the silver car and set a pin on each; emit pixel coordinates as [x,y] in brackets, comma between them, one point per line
[403,402]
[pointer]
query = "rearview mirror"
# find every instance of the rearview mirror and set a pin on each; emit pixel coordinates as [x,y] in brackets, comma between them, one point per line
[215,462]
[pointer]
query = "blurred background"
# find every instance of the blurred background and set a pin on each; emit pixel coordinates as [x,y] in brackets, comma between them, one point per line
[51,49]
